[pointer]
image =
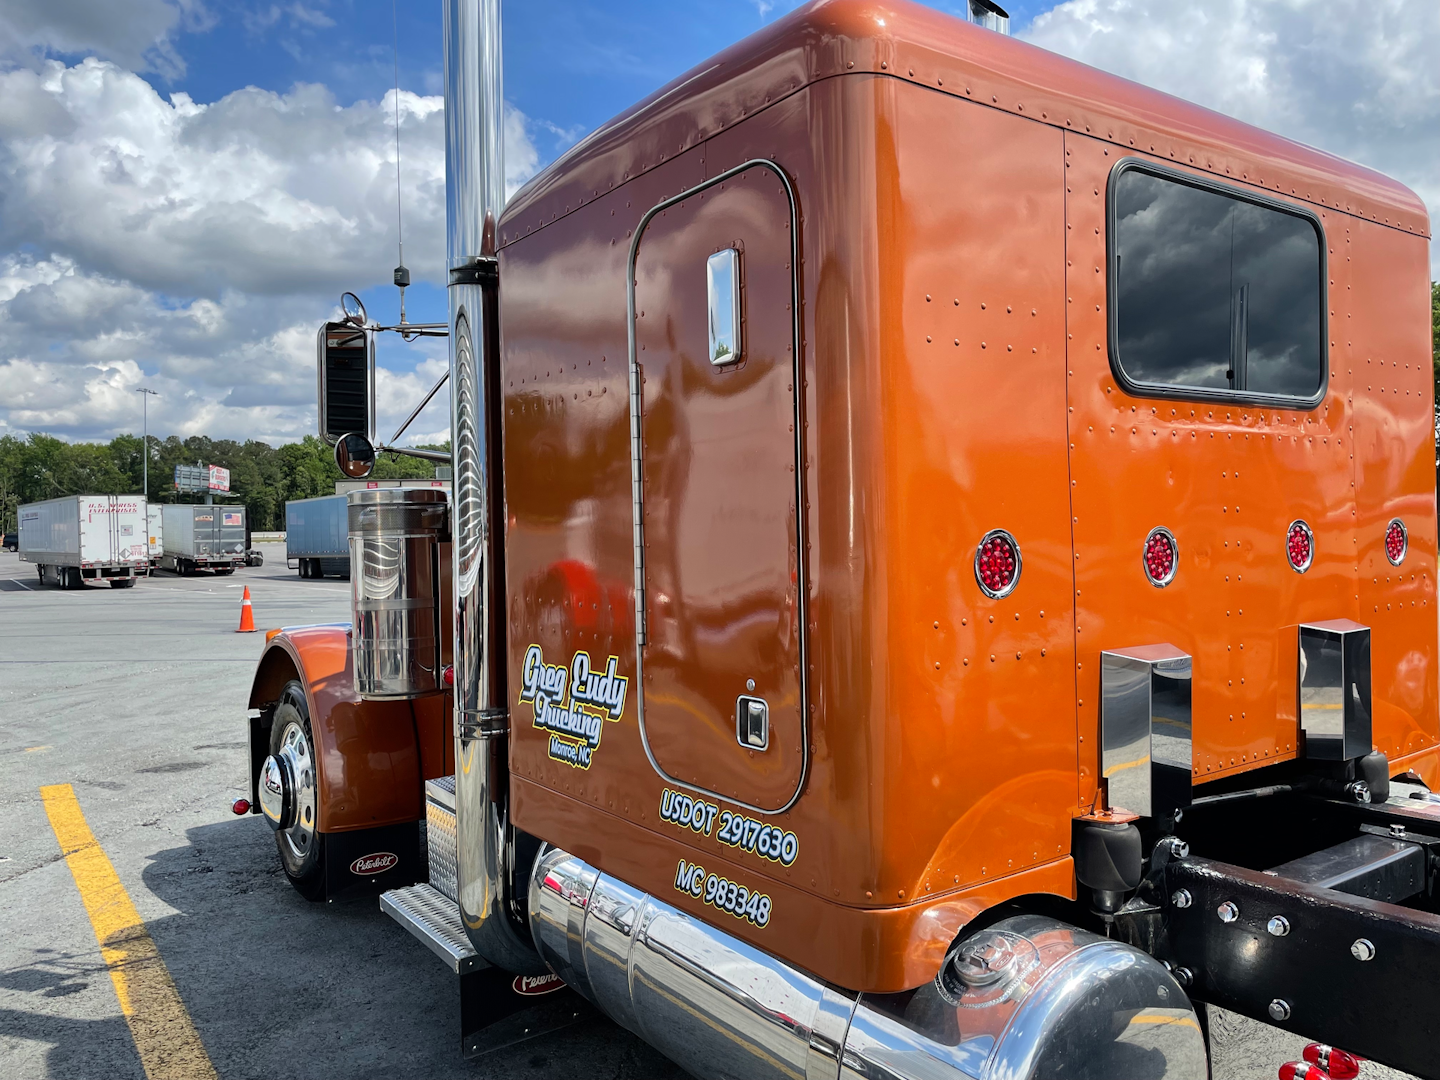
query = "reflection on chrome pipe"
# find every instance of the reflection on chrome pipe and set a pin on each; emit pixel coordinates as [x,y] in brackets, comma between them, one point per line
[474,195]
[1026,998]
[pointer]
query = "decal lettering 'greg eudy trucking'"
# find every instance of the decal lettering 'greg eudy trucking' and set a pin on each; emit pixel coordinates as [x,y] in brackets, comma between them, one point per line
[573,702]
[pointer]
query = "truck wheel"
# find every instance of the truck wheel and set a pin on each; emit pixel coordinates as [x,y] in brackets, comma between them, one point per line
[122,583]
[222,571]
[302,845]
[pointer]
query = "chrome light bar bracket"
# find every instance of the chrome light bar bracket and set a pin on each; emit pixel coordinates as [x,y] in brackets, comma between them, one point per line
[1145,744]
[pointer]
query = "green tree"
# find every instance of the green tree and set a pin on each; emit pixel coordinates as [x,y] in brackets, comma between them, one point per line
[262,477]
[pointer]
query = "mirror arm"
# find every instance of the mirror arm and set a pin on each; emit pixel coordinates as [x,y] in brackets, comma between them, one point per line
[442,456]
[423,402]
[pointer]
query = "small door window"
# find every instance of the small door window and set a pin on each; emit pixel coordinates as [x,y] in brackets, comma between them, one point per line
[1212,293]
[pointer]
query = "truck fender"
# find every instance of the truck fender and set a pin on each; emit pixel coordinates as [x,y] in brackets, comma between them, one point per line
[368,769]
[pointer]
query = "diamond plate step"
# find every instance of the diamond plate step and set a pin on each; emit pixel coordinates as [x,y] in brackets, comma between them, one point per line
[435,920]
[440,834]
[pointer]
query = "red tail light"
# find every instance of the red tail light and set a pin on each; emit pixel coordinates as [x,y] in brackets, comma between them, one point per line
[448,675]
[997,564]
[1161,556]
[1397,541]
[240,806]
[1300,546]
[1339,1064]
[1302,1070]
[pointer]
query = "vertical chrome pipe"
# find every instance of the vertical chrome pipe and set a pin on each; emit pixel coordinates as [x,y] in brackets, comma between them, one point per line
[474,197]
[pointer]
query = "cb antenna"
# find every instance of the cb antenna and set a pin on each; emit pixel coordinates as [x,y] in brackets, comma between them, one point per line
[402,275]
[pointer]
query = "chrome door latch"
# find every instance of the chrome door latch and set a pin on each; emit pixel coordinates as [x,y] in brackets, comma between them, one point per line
[752,722]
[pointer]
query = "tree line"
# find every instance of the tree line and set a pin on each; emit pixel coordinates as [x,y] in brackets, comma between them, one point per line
[262,477]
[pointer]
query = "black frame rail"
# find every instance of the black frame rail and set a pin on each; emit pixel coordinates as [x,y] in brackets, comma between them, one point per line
[1353,972]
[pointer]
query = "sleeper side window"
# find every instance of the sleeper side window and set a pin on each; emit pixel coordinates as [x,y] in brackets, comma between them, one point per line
[1211,293]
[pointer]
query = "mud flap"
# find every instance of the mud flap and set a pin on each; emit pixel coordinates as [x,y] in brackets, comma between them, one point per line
[498,1009]
[367,862]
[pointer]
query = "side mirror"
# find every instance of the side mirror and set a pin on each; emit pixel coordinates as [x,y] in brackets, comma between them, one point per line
[354,310]
[355,456]
[345,380]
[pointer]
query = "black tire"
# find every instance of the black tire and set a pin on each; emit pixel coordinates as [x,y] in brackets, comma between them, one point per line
[302,847]
[222,571]
[122,583]
[304,568]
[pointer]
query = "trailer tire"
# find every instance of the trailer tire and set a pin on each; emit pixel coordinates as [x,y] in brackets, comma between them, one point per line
[301,847]
[224,570]
[122,583]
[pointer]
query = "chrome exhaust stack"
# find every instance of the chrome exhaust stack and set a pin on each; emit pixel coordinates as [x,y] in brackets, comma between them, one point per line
[474,197]
[1016,1001]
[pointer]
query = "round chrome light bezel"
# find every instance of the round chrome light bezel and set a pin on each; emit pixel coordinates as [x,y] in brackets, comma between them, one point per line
[1160,532]
[1396,523]
[1009,587]
[1309,560]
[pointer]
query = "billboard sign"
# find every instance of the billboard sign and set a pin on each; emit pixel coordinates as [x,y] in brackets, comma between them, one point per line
[219,478]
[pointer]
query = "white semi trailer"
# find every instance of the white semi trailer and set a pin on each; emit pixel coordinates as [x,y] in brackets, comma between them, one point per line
[86,537]
[203,537]
[154,518]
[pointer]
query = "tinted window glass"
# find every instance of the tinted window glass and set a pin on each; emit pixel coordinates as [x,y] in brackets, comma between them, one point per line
[1214,292]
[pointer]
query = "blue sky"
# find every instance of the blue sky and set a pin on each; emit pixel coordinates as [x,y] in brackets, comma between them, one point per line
[186,186]
[570,65]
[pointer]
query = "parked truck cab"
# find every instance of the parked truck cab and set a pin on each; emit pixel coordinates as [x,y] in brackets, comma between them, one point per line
[933,524]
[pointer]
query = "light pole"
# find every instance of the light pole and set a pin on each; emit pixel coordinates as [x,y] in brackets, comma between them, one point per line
[145,396]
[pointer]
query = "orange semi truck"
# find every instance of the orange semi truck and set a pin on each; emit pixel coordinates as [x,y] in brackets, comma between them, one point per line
[938,582]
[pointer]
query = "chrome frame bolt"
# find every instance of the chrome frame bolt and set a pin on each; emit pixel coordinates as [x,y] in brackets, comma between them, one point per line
[1279,1009]
[1359,791]
[1363,949]
[1184,976]
[1228,912]
[1278,925]
[1181,898]
[1397,830]
[1177,848]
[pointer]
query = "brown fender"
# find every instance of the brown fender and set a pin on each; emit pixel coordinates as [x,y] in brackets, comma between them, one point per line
[371,756]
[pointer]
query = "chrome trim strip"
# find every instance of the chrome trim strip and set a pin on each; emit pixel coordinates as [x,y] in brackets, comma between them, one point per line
[637,487]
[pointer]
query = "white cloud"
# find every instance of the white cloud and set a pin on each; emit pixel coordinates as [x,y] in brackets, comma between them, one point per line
[1360,81]
[136,33]
[202,246]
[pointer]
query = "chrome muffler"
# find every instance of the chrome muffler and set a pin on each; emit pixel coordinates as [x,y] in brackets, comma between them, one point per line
[1026,998]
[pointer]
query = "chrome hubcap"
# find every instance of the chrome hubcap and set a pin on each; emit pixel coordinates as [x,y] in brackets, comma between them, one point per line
[287,791]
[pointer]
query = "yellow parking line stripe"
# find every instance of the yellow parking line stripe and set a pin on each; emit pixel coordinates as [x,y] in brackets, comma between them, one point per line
[165,1037]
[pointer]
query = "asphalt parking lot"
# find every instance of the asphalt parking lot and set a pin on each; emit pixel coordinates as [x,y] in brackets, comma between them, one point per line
[136,699]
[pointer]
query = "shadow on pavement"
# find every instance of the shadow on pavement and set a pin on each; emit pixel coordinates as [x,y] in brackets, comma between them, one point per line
[281,987]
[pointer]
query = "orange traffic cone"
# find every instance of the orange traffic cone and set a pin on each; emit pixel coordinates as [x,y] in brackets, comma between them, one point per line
[247,617]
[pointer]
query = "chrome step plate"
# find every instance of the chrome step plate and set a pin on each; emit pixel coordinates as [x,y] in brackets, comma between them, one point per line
[440,834]
[435,920]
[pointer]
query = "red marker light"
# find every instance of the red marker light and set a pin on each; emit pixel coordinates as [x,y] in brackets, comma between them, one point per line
[997,564]
[1161,557]
[1338,1064]
[448,675]
[1302,1070]
[240,806]
[1397,541]
[1300,546]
